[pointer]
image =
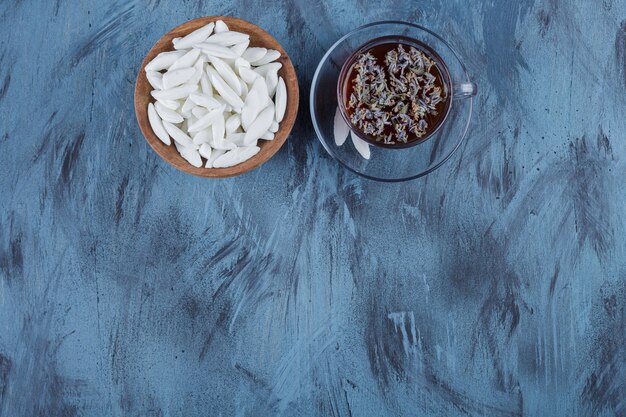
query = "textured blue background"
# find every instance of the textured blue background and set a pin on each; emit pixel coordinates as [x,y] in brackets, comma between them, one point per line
[493,287]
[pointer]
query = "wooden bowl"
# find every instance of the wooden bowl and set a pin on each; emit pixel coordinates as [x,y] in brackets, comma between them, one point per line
[258,37]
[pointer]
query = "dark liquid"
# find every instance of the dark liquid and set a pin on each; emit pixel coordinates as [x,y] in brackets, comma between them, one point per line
[379,52]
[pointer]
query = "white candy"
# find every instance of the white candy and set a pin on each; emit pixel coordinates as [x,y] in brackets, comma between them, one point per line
[223,103]
[205,84]
[199,70]
[164,60]
[205,150]
[227,74]
[260,87]
[270,56]
[240,62]
[272,82]
[247,74]
[217,50]
[228,38]
[197,36]
[225,91]
[207,120]
[236,156]
[157,125]
[218,129]
[186,60]
[233,123]
[215,153]
[191,155]
[222,143]
[191,119]
[361,146]
[244,89]
[260,125]
[203,136]
[187,107]
[240,48]
[174,93]
[155,79]
[174,78]
[280,99]
[252,108]
[178,135]
[170,104]
[263,70]
[199,111]
[204,100]
[267,136]
[254,54]
[340,128]
[236,138]
[167,114]
[220,26]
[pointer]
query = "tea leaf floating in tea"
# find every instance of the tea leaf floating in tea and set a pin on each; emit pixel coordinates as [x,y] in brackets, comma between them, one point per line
[397,100]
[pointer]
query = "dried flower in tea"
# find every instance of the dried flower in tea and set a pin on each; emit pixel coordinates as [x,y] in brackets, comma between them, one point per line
[395,93]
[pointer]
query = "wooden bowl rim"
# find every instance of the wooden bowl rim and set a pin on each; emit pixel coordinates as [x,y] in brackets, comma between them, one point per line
[268,148]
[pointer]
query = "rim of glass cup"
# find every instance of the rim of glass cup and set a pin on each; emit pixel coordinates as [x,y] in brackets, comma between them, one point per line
[347,66]
[314,114]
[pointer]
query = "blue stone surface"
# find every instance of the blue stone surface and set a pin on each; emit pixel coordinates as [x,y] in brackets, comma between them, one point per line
[493,287]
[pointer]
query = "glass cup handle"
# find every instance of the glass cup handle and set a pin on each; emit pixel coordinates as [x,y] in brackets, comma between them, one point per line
[465,90]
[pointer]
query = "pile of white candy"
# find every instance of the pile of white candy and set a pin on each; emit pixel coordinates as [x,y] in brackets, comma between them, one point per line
[216,97]
[341,130]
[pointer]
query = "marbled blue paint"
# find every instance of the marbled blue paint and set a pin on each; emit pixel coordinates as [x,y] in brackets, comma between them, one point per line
[493,287]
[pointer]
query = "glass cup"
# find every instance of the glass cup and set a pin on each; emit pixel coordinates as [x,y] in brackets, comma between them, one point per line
[394,163]
[462,90]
